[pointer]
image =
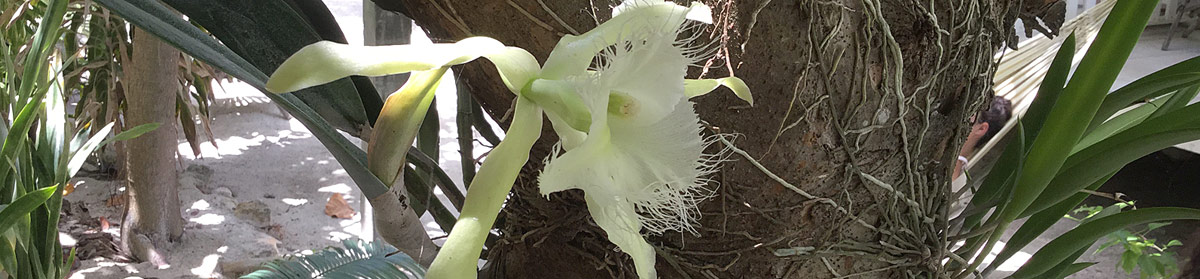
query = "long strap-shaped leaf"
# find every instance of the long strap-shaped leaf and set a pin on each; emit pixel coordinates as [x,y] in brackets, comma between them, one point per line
[265,32]
[1109,155]
[162,22]
[1078,103]
[1155,84]
[1083,236]
[13,212]
[1003,174]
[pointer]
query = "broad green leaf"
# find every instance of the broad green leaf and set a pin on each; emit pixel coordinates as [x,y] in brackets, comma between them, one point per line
[164,23]
[1050,89]
[998,184]
[1109,155]
[1177,100]
[1036,225]
[1063,269]
[265,32]
[8,254]
[698,87]
[1067,120]
[1083,236]
[1155,84]
[23,206]
[1119,123]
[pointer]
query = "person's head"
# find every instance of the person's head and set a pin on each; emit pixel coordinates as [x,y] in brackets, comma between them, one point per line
[992,119]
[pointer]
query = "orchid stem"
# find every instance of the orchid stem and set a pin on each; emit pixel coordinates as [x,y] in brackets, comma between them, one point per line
[459,256]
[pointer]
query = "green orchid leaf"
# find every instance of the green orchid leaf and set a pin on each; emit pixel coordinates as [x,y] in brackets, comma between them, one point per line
[160,21]
[1109,155]
[1062,248]
[1083,95]
[265,32]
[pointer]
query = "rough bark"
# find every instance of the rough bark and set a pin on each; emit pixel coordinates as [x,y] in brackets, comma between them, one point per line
[152,217]
[860,104]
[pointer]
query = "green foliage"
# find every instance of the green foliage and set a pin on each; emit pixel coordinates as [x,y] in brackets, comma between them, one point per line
[41,149]
[265,32]
[355,259]
[1149,257]
[237,55]
[1076,136]
[102,42]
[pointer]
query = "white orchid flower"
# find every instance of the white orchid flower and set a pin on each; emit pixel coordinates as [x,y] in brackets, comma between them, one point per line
[640,161]
[630,137]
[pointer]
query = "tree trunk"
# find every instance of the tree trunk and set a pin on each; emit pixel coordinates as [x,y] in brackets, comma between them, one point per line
[861,105]
[152,218]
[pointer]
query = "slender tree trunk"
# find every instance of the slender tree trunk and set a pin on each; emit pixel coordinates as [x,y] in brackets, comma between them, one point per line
[860,107]
[152,218]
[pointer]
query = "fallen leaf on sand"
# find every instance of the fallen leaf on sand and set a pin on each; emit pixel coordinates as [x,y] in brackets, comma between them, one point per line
[104,223]
[338,208]
[115,201]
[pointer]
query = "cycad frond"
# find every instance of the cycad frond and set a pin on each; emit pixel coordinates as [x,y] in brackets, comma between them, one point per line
[356,259]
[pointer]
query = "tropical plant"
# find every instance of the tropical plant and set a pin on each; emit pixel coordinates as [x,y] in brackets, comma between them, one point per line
[1141,252]
[632,141]
[1055,153]
[95,79]
[1044,157]
[248,44]
[41,148]
[354,259]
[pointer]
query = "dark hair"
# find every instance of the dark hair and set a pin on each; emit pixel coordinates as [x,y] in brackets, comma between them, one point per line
[996,115]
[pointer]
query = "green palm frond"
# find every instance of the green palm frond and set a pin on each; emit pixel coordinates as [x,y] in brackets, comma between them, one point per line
[356,259]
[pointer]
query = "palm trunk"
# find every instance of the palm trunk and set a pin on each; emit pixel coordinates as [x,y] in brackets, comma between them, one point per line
[152,218]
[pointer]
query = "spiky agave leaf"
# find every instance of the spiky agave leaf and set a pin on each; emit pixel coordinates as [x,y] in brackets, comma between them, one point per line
[355,259]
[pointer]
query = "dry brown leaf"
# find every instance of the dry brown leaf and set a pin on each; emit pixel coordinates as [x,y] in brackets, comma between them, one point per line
[116,201]
[338,208]
[69,189]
